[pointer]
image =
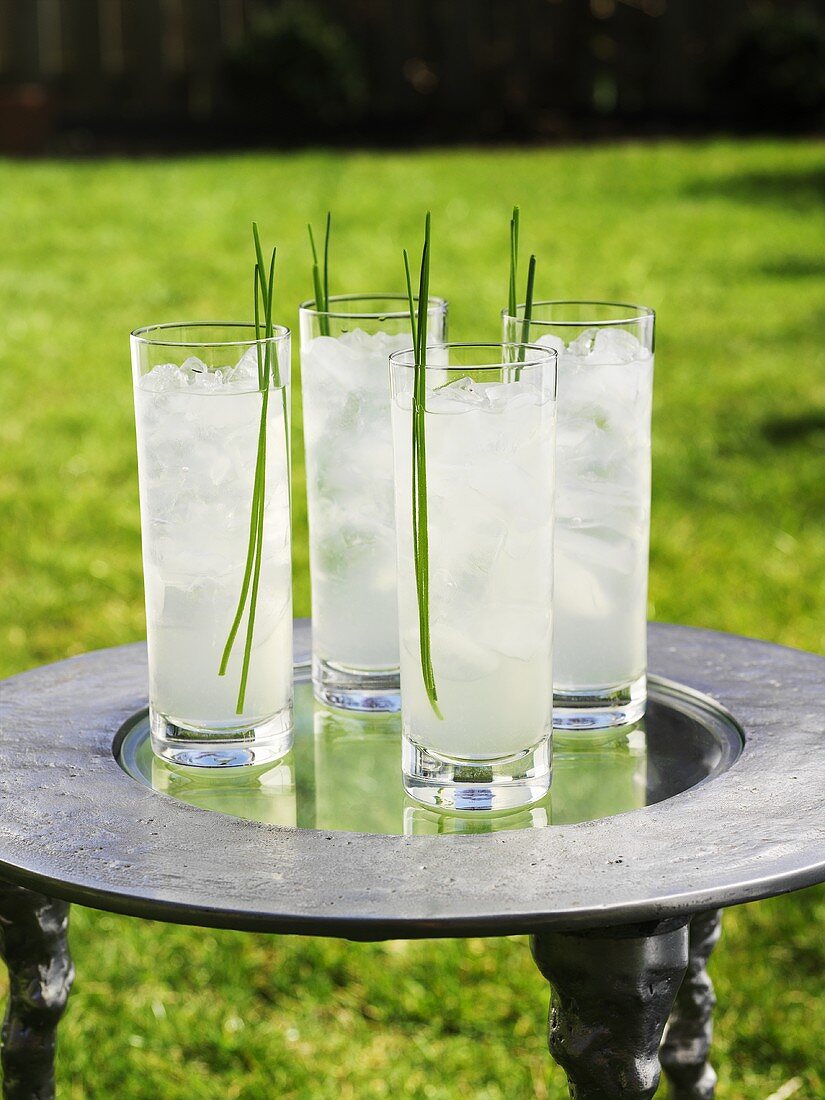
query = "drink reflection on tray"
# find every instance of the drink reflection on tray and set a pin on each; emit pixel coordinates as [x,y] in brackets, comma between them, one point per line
[357,788]
[424,821]
[342,774]
[357,773]
[264,793]
[598,774]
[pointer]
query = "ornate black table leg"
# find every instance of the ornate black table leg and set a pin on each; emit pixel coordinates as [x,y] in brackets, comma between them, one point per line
[612,994]
[685,1049]
[35,949]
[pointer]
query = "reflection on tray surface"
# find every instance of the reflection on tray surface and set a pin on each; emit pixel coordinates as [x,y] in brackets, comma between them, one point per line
[343,774]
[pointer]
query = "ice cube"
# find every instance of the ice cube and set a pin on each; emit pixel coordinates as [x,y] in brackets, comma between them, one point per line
[517,629]
[356,339]
[529,546]
[164,378]
[220,467]
[602,548]
[459,657]
[207,382]
[364,534]
[464,554]
[506,396]
[371,343]
[176,605]
[354,358]
[192,366]
[578,592]
[353,420]
[616,345]
[548,340]
[326,361]
[244,375]
[573,433]
[517,494]
[583,344]
[457,397]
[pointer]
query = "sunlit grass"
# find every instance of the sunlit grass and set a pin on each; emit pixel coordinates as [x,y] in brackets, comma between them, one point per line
[726,241]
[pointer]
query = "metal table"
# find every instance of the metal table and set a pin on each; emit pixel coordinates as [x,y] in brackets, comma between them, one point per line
[623,910]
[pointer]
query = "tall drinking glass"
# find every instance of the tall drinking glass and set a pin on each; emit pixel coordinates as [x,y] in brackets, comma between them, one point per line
[605,354]
[476,723]
[349,465]
[213,475]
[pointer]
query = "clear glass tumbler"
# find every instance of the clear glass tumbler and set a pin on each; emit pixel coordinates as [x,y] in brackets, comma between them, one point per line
[349,467]
[213,473]
[605,354]
[475,604]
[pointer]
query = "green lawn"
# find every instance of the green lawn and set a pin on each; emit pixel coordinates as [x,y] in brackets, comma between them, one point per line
[726,241]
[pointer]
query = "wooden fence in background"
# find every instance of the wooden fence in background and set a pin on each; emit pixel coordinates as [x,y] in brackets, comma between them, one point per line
[487,66]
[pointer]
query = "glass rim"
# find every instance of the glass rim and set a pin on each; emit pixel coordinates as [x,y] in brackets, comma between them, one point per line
[545,356]
[308,307]
[636,312]
[139,335]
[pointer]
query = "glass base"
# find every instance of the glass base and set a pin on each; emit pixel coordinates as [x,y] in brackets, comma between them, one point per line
[263,743]
[356,689]
[599,708]
[505,784]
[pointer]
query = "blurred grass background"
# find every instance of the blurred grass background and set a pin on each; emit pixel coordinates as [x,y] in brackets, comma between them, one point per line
[726,240]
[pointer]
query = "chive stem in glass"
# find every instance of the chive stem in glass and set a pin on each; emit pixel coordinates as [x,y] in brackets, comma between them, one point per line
[489,412]
[349,470]
[603,463]
[198,408]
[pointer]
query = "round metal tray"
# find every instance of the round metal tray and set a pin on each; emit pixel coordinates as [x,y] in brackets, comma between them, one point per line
[76,826]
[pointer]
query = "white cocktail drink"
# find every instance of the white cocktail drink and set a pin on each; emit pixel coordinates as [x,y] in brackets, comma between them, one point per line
[197,436]
[489,476]
[349,471]
[602,510]
[605,374]
[348,441]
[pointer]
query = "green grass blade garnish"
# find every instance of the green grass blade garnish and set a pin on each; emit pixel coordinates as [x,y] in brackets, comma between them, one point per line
[414,477]
[259,493]
[419,464]
[528,307]
[314,251]
[263,290]
[317,286]
[311,245]
[253,522]
[326,260]
[528,299]
[411,299]
[320,279]
[514,229]
[256,282]
[414,330]
[259,259]
[269,327]
[512,303]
